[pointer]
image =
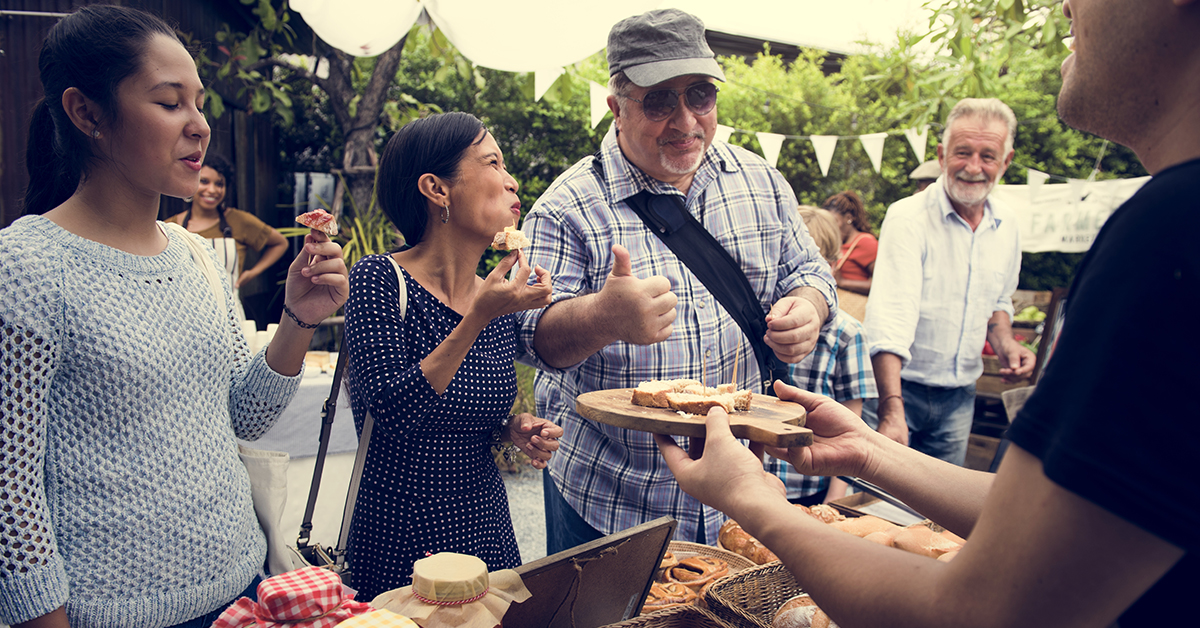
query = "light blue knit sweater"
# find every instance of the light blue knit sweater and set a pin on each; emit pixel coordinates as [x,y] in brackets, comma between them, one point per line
[123,388]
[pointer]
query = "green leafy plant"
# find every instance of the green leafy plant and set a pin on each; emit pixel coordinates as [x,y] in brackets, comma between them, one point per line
[366,232]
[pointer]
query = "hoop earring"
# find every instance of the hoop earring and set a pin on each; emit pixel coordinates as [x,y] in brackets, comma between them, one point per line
[445,213]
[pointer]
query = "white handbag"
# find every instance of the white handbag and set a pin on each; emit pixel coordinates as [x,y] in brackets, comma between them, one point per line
[267,469]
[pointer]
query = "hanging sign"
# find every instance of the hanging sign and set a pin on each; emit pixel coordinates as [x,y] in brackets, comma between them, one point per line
[1065,218]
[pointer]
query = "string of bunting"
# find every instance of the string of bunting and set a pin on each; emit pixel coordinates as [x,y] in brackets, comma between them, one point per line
[823,145]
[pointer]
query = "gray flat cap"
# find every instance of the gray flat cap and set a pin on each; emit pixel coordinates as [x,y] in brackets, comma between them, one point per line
[660,45]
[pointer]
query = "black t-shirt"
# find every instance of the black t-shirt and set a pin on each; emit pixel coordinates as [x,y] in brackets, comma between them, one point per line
[1116,417]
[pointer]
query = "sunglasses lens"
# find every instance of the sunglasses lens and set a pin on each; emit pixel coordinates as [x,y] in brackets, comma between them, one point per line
[701,98]
[658,105]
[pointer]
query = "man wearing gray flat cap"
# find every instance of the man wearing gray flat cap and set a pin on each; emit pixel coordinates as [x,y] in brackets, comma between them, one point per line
[626,309]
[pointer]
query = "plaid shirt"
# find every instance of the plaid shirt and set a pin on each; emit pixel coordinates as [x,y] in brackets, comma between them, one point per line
[839,367]
[615,478]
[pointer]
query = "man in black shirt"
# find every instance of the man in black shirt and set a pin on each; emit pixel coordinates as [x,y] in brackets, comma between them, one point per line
[1091,519]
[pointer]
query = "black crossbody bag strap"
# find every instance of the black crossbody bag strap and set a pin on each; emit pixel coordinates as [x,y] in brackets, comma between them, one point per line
[668,219]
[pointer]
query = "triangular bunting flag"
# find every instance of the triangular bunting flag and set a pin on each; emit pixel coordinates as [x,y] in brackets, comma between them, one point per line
[919,141]
[722,133]
[873,144]
[771,143]
[543,79]
[1036,179]
[599,96]
[824,146]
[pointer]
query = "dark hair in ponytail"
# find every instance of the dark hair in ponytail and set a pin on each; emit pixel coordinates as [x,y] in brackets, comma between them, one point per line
[92,50]
[225,169]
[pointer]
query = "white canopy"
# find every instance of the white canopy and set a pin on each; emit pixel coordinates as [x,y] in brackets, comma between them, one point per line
[537,35]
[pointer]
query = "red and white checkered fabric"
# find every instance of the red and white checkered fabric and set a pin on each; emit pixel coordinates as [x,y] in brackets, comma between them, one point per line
[310,597]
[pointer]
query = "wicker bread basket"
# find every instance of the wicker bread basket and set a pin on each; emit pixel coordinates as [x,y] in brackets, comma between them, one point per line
[683,549]
[749,599]
[677,617]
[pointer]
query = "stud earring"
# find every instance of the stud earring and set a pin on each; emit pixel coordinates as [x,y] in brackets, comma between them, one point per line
[446,213]
[95,134]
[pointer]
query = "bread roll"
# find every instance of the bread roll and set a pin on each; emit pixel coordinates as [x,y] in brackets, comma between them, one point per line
[801,612]
[862,526]
[919,539]
[697,572]
[733,538]
[826,513]
[667,595]
[882,538]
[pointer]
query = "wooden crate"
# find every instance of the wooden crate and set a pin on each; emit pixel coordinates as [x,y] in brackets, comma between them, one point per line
[990,384]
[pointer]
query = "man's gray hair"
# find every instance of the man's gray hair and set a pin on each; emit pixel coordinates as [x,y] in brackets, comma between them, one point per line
[618,85]
[990,109]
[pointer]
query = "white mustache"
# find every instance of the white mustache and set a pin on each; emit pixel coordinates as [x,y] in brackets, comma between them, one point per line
[696,134]
[971,178]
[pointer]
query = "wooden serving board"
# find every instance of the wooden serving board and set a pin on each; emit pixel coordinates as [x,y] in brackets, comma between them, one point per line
[769,421]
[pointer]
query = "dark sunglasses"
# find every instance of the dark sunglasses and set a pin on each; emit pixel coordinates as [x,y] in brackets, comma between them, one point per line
[659,104]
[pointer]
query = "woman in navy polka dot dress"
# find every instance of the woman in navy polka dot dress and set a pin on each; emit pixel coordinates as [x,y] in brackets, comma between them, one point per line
[440,381]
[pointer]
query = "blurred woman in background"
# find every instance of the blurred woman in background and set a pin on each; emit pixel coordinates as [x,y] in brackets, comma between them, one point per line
[230,231]
[856,263]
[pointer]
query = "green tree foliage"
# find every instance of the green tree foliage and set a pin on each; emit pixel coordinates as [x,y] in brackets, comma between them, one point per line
[974,48]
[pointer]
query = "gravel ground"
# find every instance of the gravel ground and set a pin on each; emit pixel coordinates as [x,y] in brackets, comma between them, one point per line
[528,512]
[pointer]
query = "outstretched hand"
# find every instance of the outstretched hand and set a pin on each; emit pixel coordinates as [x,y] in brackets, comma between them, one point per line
[317,281]
[500,296]
[727,474]
[537,438]
[641,311]
[842,443]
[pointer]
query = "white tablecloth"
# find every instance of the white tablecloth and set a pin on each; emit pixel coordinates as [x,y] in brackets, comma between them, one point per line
[298,430]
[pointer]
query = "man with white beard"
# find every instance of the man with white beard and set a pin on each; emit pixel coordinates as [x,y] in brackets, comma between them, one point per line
[947,267]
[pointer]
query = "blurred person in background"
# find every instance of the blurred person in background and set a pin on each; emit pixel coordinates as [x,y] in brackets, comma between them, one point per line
[948,264]
[230,231]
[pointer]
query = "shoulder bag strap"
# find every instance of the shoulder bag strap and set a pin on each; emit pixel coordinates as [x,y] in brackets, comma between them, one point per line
[200,256]
[364,441]
[667,218]
[845,256]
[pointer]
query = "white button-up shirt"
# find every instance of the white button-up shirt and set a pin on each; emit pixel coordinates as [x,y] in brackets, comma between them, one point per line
[937,283]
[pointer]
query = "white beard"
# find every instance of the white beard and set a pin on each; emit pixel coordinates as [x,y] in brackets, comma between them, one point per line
[958,192]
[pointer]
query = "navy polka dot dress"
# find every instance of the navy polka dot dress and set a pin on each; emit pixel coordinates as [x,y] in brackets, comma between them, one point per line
[430,483]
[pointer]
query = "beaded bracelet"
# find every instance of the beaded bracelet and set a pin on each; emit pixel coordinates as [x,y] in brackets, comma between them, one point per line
[292,315]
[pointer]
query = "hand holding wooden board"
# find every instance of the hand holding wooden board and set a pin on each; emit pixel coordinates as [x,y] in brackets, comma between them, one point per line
[769,421]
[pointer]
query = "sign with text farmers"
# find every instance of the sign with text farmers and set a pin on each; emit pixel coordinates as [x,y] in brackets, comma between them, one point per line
[1064,217]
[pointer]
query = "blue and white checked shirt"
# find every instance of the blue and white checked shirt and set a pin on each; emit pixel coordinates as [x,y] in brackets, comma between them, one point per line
[615,478]
[839,367]
[937,283]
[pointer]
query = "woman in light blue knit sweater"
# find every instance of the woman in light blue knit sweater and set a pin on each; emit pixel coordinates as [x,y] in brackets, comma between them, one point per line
[125,379]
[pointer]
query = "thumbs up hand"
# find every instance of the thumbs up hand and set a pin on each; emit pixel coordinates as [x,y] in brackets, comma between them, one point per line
[640,311]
